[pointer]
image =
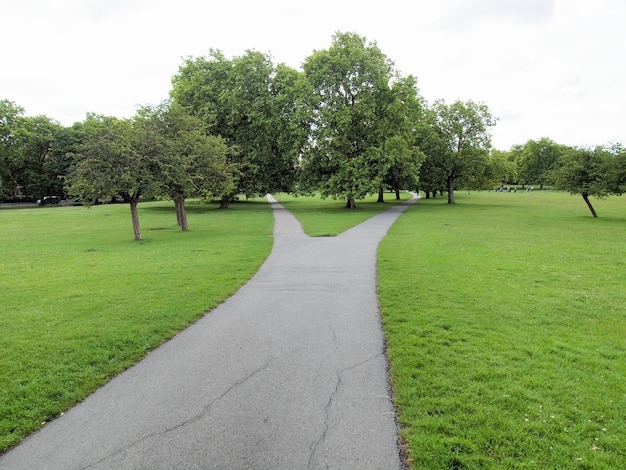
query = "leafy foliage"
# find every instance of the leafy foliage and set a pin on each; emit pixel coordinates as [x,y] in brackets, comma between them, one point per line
[461,132]
[253,105]
[590,172]
[10,122]
[537,160]
[111,164]
[186,161]
[362,122]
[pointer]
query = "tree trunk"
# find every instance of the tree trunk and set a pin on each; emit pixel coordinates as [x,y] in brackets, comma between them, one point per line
[586,198]
[351,203]
[179,222]
[427,194]
[381,197]
[451,190]
[397,194]
[181,213]
[135,215]
[225,203]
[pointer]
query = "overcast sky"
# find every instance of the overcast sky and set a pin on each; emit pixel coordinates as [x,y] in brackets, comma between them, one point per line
[546,68]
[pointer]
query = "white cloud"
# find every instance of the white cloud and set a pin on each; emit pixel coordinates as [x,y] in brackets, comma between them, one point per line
[546,67]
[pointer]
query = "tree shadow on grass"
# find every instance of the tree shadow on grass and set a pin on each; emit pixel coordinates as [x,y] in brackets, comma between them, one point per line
[196,207]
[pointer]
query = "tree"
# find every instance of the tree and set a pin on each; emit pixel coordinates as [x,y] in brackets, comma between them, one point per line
[255,107]
[405,161]
[464,128]
[581,171]
[11,122]
[187,161]
[537,159]
[41,169]
[615,170]
[402,117]
[27,153]
[500,169]
[432,175]
[289,130]
[259,102]
[110,164]
[350,90]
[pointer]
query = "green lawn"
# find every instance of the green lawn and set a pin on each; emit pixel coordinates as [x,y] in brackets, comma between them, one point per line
[505,316]
[82,301]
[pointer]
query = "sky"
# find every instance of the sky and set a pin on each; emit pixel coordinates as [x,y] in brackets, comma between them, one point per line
[545,68]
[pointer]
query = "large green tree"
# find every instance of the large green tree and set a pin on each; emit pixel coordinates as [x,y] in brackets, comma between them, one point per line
[255,106]
[464,128]
[352,137]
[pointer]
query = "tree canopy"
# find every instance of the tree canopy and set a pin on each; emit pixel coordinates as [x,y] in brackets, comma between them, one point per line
[185,159]
[461,140]
[537,159]
[256,107]
[347,125]
[362,119]
[590,172]
[110,163]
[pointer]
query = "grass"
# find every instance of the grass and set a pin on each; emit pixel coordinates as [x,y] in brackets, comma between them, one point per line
[504,314]
[329,217]
[506,328]
[82,301]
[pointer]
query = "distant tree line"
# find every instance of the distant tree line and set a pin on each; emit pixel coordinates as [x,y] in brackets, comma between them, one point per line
[345,126]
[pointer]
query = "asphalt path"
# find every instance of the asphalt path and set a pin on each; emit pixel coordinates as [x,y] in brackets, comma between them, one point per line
[289,373]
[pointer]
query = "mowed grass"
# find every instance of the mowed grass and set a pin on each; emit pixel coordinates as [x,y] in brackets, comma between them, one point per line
[81,300]
[329,217]
[505,317]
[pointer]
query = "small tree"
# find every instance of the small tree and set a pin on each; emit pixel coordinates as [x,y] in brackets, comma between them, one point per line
[581,171]
[185,159]
[109,164]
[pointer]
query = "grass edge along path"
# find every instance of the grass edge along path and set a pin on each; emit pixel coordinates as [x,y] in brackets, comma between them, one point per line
[82,301]
[505,322]
[328,217]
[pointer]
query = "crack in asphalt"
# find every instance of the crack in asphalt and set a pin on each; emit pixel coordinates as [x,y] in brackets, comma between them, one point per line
[202,413]
[336,356]
[327,407]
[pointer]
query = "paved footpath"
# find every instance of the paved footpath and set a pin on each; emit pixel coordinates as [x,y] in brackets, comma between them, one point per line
[289,373]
